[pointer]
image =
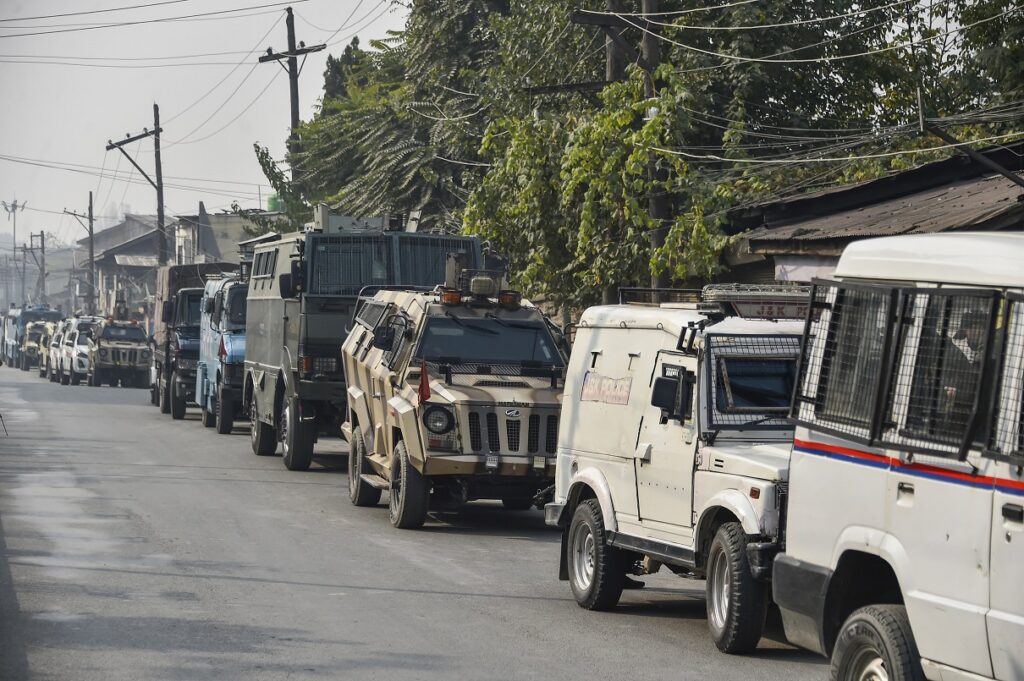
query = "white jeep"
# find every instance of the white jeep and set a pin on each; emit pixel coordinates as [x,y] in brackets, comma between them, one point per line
[674,447]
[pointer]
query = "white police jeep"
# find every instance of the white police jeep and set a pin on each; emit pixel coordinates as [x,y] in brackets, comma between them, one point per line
[674,447]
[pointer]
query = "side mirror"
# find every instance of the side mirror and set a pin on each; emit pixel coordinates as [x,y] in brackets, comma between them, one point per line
[167,312]
[383,337]
[284,282]
[664,394]
[208,306]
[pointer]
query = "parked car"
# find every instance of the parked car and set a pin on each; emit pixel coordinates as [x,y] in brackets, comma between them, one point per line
[302,297]
[15,325]
[221,352]
[30,345]
[673,448]
[119,353]
[72,354]
[56,348]
[905,522]
[453,396]
[45,340]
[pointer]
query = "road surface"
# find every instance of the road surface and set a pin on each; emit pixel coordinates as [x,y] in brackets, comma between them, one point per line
[136,547]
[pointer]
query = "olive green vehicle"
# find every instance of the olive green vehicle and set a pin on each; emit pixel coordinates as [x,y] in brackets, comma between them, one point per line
[453,395]
[119,352]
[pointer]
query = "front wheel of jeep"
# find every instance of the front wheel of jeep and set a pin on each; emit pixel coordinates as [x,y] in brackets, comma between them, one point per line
[359,492]
[597,570]
[296,437]
[407,505]
[261,435]
[737,603]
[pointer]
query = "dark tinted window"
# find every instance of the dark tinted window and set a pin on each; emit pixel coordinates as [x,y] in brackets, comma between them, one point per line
[124,333]
[188,314]
[488,341]
[754,385]
[236,304]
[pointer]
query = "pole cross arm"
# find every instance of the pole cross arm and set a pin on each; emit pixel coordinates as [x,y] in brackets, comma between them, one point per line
[137,166]
[276,56]
[133,138]
[609,24]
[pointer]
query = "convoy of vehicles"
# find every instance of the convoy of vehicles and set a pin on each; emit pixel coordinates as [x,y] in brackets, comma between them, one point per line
[179,292]
[222,352]
[905,526]
[861,468]
[303,290]
[453,395]
[119,353]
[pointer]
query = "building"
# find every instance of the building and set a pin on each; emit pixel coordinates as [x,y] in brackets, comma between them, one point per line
[800,238]
[212,237]
[126,257]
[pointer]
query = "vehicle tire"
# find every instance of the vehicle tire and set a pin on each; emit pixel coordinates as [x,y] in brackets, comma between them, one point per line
[407,505]
[42,370]
[209,418]
[64,378]
[164,395]
[23,363]
[90,379]
[261,435]
[360,493]
[296,438]
[597,570]
[224,413]
[177,401]
[737,603]
[517,504]
[141,380]
[76,378]
[51,374]
[876,642]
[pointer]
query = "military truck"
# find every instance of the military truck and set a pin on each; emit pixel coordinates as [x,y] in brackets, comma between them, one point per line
[30,345]
[222,352]
[179,290]
[15,326]
[119,352]
[453,396]
[302,295]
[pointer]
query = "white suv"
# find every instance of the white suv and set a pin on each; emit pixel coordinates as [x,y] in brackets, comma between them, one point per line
[905,527]
[674,446]
[72,356]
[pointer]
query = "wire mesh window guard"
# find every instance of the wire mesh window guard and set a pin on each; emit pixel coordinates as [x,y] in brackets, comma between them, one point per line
[750,380]
[1006,438]
[371,313]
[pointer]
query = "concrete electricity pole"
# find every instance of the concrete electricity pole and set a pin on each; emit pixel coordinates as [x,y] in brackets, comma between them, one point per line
[40,296]
[293,69]
[159,184]
[92,255]
[12,209]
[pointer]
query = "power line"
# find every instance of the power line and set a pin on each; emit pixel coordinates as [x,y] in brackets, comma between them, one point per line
[345,22]
[387,7]
[219,108]
[686,11]
[94,11]
[51,62]
[49,163]
[150,21]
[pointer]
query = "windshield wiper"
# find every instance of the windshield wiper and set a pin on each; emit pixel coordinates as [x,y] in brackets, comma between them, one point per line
[763,419]
[512,325]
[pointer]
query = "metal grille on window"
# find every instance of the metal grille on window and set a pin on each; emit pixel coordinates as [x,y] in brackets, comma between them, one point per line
[475,438]
[533,434]
[513,427]
[1006,441]
[493,437]
[843,358]
[751,379]
[935,387]
[551,436]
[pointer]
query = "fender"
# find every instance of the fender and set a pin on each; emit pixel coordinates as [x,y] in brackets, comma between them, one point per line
[735,502]
[405,413]
[594,478]
[878,543]
[357,404]
[287,372]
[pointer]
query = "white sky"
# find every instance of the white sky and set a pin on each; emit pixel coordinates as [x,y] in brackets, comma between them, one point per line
[66,114]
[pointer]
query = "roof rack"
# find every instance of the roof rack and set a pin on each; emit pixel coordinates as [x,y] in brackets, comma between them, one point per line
[638,295]
[756,301]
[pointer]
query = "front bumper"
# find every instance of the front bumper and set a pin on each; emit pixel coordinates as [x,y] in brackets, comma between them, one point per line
[532,466]
[553,513]
[185,384]
[80,365]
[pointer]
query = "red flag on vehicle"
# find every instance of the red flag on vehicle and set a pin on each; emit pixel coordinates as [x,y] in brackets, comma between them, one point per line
[424,389]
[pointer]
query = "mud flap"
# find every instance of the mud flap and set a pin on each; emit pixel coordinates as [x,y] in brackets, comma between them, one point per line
[563,564]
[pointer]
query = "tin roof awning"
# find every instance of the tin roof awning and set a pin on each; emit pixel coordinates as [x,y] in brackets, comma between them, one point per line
[125,260]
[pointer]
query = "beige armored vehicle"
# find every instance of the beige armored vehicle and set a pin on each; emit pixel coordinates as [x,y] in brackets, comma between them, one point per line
[453,395]
[119,351]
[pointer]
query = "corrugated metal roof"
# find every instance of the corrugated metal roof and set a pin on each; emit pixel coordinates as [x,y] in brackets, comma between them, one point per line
[958,205]
[136,260]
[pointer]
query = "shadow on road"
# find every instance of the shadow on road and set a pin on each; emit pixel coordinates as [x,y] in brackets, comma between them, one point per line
[13,659]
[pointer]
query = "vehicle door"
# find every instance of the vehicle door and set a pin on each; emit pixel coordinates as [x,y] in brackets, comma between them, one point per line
[666,447]
[67,354]
[939,503]
[379,375]
[1005,458]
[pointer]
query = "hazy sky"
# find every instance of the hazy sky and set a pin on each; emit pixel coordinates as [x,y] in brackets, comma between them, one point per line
[61,114]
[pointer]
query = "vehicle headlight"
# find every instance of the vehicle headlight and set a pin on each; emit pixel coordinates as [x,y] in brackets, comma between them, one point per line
[144,354]
[438,420]
[103,352]
[186,364]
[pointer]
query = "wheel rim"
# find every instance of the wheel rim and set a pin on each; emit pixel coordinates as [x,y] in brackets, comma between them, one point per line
[353,467]
[868,665]
[718,582]
[395,500]
[583,556]
[254,422]
[286,419]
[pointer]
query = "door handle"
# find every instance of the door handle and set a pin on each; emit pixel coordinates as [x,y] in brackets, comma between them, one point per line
[1013,513]
[905,488]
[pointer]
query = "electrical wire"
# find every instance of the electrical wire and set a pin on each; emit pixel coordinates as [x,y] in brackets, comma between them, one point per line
[94,11]
[683,11]
[218,109]
[386,8]
[240,114]
[149,21]
[347,19]
[50,62]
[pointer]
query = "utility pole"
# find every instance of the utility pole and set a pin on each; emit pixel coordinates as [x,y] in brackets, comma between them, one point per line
[92,255]
[12,209]
[24,264]
[40,296]
[657,202]
[293,69]
[159,184]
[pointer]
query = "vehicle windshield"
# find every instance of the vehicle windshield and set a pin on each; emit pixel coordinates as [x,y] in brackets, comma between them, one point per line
[83,337]
[34,336]
[188,312]
[124,333]
[754,385]
[488,341]
[236,305]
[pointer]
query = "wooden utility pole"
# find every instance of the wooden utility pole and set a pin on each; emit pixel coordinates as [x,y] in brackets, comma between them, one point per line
[40,296]
[92,254]
[159,184]
[657,202]
[12,209]
[293,69]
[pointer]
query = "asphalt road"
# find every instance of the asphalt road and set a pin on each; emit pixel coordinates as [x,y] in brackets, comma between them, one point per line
[135,547]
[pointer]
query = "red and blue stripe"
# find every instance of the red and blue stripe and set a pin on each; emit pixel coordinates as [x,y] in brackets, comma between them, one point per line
[881,461]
